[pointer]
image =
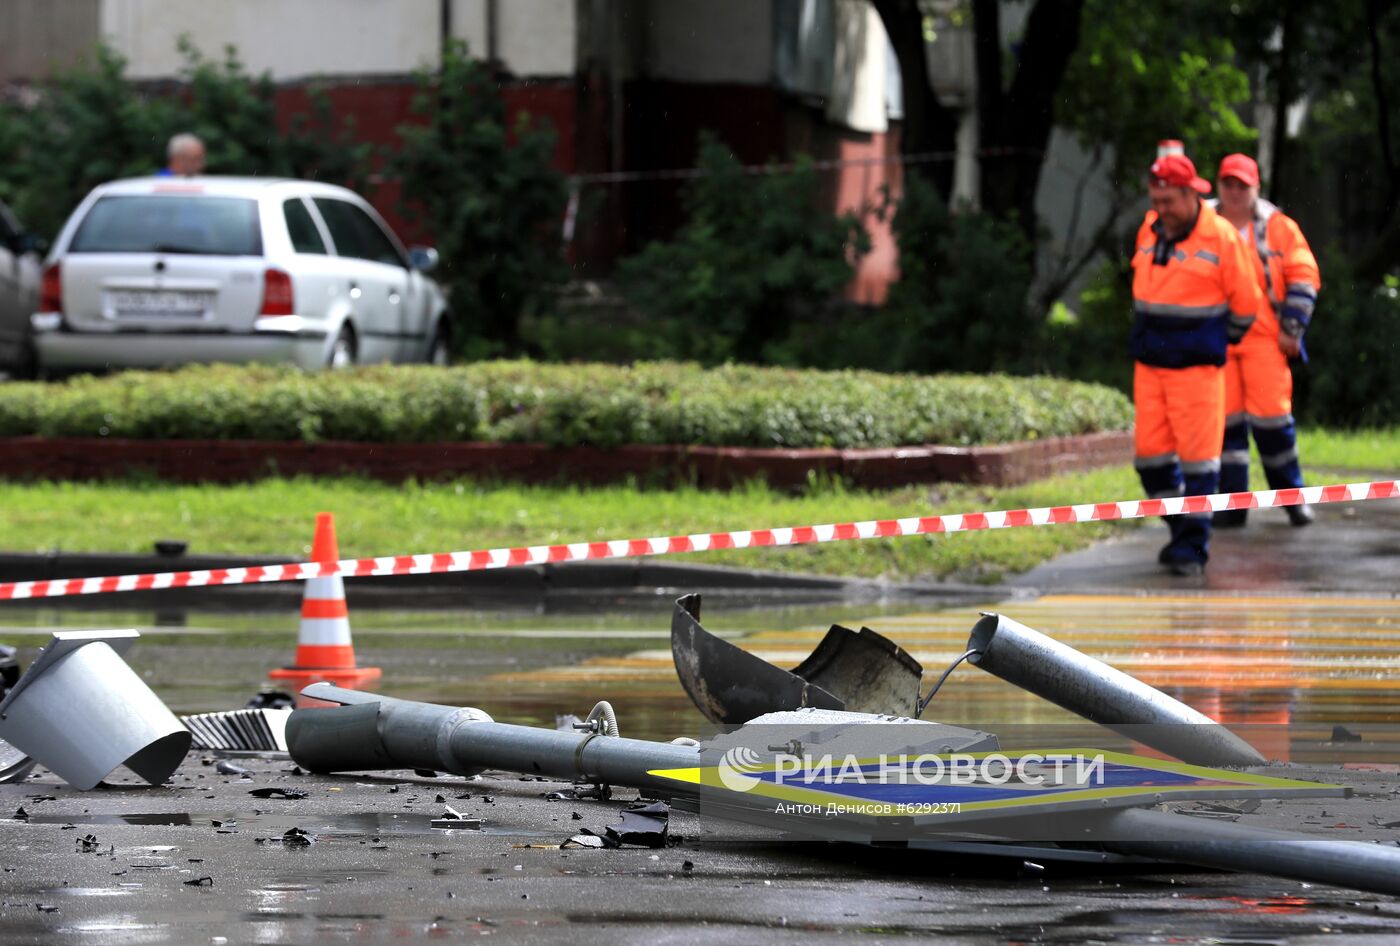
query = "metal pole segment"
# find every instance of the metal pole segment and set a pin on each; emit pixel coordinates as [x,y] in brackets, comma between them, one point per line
[370,731]
[1057,672]
[1186,840]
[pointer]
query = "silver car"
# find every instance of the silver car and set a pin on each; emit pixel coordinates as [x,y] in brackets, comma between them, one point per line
[163,270]
[19,294]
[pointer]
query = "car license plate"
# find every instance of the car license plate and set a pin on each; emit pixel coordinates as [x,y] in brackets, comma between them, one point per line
[159,303]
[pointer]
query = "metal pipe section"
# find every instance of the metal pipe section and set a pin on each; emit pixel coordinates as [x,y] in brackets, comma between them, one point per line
[1227,846]
[1079,683]
[369,731]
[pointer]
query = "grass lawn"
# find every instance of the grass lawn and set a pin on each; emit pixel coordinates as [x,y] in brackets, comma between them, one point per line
[1370,450]
[275,517]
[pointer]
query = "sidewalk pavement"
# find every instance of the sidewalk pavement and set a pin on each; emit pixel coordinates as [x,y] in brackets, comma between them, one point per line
[1352,548]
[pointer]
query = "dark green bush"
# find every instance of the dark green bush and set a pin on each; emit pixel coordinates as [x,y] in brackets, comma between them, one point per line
[1092,343]
[1350,379]
[222,402]
[960,302]
[756,254]
[89,125]
[602,405]
[491,198]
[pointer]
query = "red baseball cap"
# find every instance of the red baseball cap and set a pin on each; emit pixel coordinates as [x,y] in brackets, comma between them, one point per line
[1241,167]
[1176,170]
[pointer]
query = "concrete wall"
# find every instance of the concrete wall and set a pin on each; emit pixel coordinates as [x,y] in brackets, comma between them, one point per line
[37,36]
[289,38]
[294,39]
[533,37]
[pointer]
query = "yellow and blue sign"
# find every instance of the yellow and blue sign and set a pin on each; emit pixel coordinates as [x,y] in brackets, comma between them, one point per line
[963,786]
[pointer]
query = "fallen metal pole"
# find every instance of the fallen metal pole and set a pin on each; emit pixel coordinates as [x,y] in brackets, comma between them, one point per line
[1186,840]
[380,732]
[1079,683]
[369,732]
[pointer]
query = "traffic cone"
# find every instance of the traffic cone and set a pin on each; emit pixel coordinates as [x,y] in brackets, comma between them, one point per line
[324,650]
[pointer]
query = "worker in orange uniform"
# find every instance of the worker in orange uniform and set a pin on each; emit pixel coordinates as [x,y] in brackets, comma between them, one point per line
[1194,295]
[1258,381]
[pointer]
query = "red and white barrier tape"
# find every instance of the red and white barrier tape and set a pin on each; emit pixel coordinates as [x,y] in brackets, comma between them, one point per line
[673,545]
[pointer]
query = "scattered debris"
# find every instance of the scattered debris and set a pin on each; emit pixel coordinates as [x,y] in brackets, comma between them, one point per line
[292,793]
[224,767]
[46,908]
[90,713]
[583,840]
[1342,734]
[271,698]
[641,825]
[259,730]
[296,837]
[200,882]
[1209,814]
[20,814]
[454,819]
[88,843]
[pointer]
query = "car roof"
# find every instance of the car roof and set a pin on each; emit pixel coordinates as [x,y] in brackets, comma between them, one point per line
[216,185]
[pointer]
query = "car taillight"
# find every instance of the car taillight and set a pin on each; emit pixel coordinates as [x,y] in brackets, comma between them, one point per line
[51,289]
[277,293]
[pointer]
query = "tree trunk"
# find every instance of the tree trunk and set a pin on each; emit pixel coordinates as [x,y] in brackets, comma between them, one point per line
[1015,123]
[1284,94]
[929,127]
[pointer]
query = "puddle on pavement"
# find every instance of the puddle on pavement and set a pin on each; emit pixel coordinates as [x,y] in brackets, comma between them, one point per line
[1305,662]
[355,826]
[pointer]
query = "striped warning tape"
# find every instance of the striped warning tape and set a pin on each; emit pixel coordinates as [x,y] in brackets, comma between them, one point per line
[677,544]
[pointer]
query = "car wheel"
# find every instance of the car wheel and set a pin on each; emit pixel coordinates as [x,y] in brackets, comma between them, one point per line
[26,366]
[440,351]
[343,351]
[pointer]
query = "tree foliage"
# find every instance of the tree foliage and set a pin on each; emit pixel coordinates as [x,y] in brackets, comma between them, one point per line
[490,196]
[89,124]
[960,302]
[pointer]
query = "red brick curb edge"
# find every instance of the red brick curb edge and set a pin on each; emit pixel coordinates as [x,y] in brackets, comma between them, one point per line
[225,461]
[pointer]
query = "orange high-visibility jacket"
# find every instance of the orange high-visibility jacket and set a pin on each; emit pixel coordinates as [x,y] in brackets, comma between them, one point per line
[1192,297]
[1285,268]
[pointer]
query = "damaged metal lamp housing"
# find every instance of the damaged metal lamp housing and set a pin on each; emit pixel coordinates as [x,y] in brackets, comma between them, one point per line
[81,711]
[860,671]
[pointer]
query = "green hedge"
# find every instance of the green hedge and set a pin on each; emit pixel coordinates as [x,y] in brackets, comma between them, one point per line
[565,405]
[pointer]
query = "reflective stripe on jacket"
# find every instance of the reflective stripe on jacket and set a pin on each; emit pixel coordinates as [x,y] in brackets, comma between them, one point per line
[1191,300]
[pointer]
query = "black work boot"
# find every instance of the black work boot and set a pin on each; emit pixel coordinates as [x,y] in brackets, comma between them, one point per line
[1302,515]
[1230,518]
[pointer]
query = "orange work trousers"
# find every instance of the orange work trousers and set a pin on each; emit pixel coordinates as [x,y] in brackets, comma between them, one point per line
[1258,380]
[1180,412]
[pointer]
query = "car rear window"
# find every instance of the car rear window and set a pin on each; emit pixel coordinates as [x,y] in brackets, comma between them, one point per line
[210,226]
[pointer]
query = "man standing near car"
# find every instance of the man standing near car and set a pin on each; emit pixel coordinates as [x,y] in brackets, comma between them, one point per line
[184,156]
[1258,379]
[1194,295]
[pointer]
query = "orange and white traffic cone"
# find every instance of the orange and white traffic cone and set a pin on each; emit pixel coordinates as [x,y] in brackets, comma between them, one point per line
[324,650]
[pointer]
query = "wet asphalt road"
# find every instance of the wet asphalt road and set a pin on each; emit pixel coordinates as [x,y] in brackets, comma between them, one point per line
[377,872]
[1293,631]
